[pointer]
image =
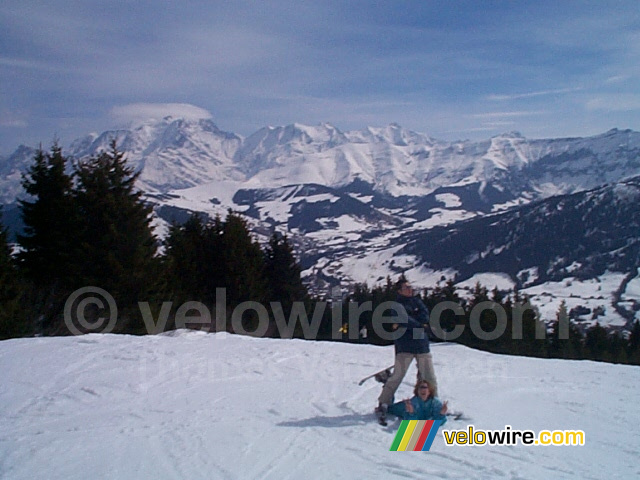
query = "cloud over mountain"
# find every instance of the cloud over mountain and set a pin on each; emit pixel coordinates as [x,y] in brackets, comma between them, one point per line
[141,112]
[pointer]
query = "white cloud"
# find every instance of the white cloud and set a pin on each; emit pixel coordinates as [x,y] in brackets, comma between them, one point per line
[617,79]
[136,112]
[13,123]
[27,64]
[12,119]
[625,102]
[491,115]
[542,93]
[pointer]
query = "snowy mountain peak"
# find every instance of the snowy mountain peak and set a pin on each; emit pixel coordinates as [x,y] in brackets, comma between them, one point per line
[511,134]
[319,134]
[172,152]
[393,134]
[175,152]
[11,169]
[275,147]
[509,150]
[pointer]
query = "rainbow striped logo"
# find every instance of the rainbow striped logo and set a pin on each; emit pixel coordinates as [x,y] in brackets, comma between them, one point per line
[415,435]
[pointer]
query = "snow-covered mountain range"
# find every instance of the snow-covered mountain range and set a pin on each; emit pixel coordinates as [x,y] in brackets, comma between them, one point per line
[176,153]
[361,205]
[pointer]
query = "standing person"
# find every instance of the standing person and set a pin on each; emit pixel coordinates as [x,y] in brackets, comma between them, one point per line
[423,406]
[413,343]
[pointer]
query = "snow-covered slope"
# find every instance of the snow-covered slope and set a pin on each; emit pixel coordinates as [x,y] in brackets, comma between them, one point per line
[562,243]
[202,406]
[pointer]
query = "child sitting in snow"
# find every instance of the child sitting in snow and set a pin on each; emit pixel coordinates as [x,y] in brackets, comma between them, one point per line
[423,405]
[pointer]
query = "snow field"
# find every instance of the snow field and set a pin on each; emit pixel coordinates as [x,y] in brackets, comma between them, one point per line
[196,405]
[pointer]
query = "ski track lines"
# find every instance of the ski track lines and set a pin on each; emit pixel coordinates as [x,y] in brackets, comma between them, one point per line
[194,405]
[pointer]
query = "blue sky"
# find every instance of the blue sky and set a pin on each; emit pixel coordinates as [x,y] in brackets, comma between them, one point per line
[450,69]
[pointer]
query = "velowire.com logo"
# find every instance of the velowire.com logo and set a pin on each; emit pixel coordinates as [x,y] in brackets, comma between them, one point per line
[415,435]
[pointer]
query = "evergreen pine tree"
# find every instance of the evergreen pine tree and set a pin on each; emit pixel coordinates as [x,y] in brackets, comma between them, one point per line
[213,259]
[633,344]
[616,352]
[243,265]
[449,292]
[576,343]
[469,337]
[557,346]
[596,342]
[184,261]
[195,259]
[448,319]
[497,296]
[282,273]
[12,318]
[116,245]
[480,294]
[530,344]
[50,220]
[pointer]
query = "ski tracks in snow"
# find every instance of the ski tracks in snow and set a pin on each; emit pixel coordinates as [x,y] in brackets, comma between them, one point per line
[195,405]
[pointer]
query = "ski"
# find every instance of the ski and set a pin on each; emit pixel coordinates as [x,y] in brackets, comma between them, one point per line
[380,376]
[457,416]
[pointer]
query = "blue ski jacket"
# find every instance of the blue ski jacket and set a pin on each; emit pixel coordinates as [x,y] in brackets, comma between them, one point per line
[415,339]
[422,410]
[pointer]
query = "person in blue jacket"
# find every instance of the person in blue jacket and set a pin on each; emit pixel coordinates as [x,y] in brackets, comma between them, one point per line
[422,406]
[412,344]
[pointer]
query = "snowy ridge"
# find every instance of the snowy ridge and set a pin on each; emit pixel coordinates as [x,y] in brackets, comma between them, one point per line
[201,406]
[178,153]
[347,198]
[582,248]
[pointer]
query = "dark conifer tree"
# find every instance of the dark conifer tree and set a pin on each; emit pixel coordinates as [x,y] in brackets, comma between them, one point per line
[442,293]
[116,245]
[531,344]
[283,281]
[50,220]
[282,273]
[12,318]
[633,345]
[575,349]
[469,337]
[243,265]
[448,318]
[616,351]
[596,342]
[194,259]
[213,259]
[480,294]
[558,347]
[184,260]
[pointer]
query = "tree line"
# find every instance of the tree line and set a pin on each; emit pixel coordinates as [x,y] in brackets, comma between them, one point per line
[86,224]
[563,340]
